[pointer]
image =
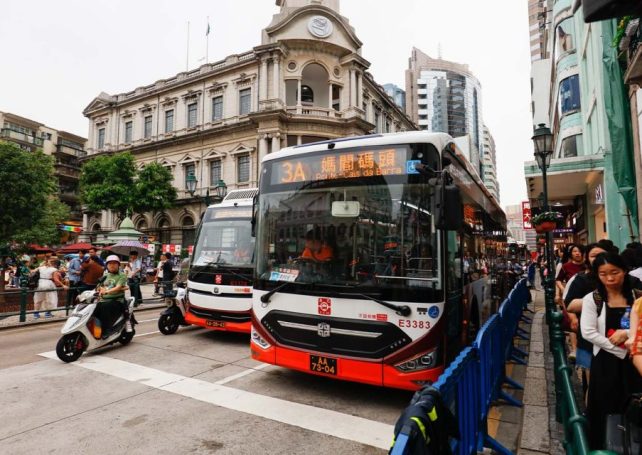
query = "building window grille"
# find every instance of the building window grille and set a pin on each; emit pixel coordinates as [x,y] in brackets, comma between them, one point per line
[101,138]
[215,172]
[217,108]
[245,98]
[148,127]
[169,121]
[191,115]
[243,169]
[129,127]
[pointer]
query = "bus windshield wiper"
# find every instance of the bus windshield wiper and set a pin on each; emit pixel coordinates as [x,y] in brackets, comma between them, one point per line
[265,298]
[401,310]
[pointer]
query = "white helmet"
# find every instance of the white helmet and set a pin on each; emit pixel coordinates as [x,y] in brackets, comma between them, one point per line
[112,258]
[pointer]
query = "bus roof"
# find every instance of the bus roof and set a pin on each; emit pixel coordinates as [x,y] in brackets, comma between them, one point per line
[408,137]
[237,198]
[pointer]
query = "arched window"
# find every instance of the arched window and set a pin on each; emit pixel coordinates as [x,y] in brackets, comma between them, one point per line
[165,234]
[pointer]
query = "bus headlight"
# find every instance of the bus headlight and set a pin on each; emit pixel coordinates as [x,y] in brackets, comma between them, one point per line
[423,361]
[258,339]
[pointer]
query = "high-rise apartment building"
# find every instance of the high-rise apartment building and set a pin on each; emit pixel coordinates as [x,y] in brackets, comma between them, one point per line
[443,96]
[66,149]
[489,164]
[537,10]
[397,94]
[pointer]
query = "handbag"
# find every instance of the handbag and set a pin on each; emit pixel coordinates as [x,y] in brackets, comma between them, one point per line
[32,282]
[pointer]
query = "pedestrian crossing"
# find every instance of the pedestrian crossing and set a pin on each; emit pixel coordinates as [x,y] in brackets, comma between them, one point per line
[320,420]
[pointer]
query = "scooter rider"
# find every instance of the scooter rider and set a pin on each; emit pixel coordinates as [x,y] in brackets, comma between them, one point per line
[112,294]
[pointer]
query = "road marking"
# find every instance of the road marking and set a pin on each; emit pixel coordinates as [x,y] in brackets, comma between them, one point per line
[147,333]
[242,374]
[147,320]
[324,421]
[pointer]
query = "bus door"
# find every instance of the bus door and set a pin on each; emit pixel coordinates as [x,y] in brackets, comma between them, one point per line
[454,295]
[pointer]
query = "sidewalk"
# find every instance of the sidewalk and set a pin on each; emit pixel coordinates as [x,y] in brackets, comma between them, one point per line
[531,429]
[149,301]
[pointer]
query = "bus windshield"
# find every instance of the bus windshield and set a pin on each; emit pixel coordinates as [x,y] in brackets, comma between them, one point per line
[225,238]
[367,232]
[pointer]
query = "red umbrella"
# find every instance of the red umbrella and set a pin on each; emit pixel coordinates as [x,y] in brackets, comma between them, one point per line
[39,249]
[75,247]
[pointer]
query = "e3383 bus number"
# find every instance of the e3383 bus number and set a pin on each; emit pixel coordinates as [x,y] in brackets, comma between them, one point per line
[414,324]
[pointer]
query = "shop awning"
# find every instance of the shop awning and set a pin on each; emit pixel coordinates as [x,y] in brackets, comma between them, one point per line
[567,177]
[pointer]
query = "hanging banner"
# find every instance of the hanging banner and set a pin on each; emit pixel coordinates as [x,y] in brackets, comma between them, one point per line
[190,249]
[170,248]
[150,247]
[67,228]
[526,215]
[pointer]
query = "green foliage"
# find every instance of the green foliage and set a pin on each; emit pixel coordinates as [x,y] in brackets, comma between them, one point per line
[546,216]
[28,182]
[153,189]
[619,31]
[106,182]
[113,183]
[45,230]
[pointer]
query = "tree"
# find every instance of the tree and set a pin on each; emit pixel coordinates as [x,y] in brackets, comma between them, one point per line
[113,183]
[154,190]
[45,230]
[106,183]
[28,183]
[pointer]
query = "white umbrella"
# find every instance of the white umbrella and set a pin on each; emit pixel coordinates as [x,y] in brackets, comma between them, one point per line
[124,247]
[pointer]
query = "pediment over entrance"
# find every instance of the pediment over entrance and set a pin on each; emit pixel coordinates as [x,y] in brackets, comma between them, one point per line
[100,102]
[314,23]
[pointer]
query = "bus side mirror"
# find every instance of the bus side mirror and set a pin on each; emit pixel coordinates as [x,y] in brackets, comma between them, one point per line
[254,208]
[448,209]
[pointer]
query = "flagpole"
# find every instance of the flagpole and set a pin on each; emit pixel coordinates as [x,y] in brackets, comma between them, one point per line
[187,55]
[207,41]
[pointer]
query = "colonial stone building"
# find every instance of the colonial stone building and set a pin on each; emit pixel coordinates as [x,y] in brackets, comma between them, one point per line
[306,81]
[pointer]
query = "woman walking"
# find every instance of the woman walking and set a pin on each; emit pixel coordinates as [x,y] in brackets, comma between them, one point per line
[46,296]
[613,377]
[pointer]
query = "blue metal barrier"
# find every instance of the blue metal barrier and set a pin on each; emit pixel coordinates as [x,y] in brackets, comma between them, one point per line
[474,380]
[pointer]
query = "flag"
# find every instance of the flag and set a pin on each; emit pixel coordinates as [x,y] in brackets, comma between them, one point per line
[208,30]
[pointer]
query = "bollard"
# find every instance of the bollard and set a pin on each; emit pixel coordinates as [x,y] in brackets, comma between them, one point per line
[23,305]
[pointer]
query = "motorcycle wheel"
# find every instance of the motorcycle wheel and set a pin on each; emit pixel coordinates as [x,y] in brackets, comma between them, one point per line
[167,324]
[69,348]
[126,337]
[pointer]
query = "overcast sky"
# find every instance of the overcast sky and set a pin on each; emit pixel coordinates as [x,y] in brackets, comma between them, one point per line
[58,55]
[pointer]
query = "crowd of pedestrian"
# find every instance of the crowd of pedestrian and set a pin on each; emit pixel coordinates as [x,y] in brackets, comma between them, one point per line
[75,273]
[600,294]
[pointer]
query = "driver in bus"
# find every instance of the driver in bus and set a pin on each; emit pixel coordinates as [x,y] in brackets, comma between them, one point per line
[315,249]
[242,253]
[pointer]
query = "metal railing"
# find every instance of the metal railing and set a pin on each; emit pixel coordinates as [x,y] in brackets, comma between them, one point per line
[475,379]
[20,302]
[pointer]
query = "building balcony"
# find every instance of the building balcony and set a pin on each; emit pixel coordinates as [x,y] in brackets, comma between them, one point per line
[314,111]
[67,195]
[67,171]
[633,73]
[63,149]
[11,135]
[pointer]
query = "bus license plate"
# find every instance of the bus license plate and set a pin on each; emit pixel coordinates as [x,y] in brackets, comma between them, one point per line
[216,324]
[325,365]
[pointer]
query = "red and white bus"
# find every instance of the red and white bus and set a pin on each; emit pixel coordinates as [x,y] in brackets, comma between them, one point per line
[373,256]
[219,285]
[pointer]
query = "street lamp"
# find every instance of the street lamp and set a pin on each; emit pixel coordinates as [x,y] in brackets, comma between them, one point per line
[220,188]
[543,141]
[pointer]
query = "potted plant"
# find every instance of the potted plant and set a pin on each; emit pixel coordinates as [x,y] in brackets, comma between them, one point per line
[545,222]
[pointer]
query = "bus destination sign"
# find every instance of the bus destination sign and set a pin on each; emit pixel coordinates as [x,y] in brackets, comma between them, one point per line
[341,165]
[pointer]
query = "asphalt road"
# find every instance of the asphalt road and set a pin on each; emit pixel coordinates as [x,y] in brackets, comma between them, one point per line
[193,392]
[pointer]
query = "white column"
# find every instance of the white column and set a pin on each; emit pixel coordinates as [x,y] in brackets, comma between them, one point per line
[359,90]
[263,148]
[353,88]
[85,222]
[298,92]
[330,96]
[263,88]
[276,78]
[276,143]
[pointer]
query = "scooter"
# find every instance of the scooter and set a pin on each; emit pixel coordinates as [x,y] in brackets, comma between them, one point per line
[81,332]
[174,315]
